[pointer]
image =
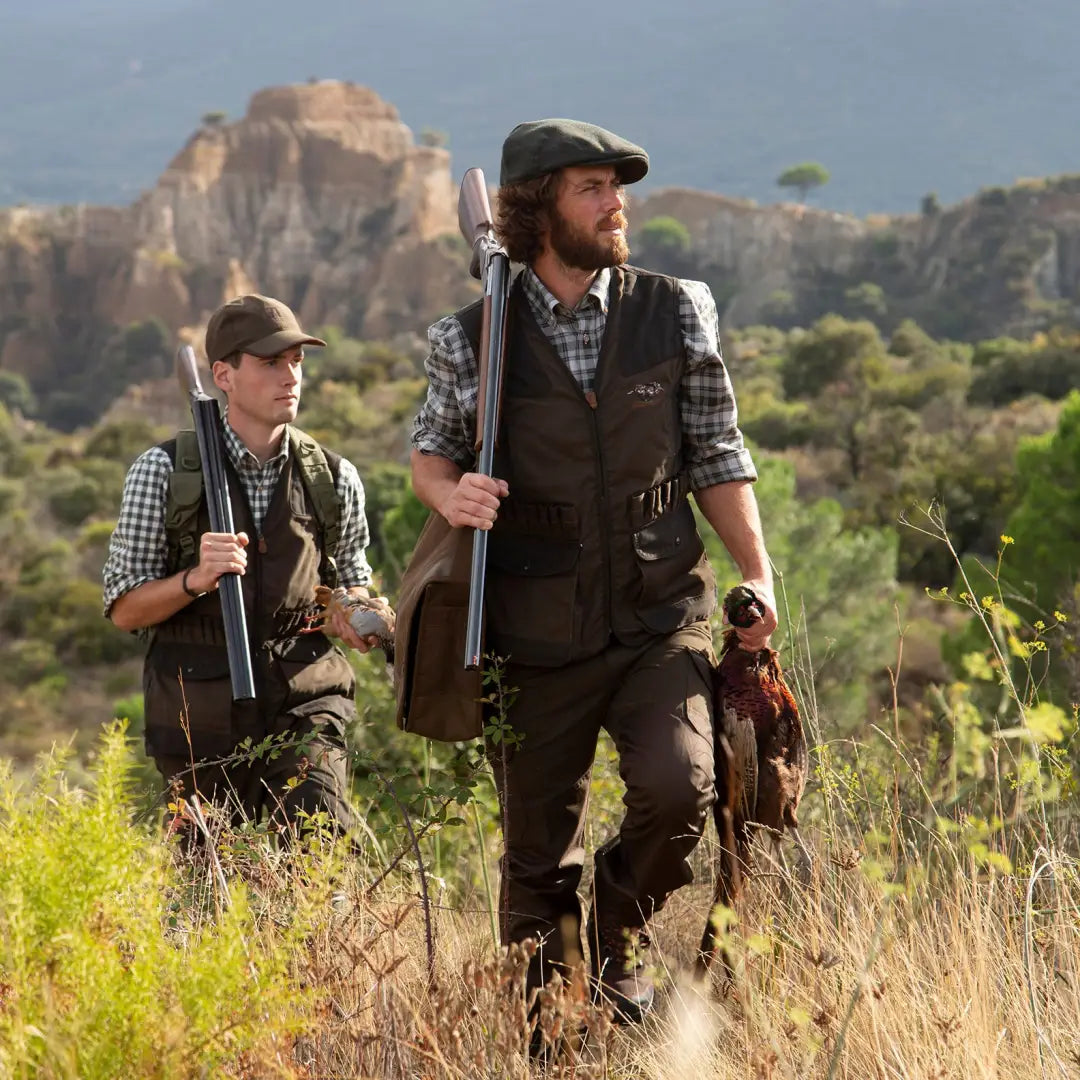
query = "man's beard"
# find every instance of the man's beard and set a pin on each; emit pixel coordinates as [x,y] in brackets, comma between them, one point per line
[588,250]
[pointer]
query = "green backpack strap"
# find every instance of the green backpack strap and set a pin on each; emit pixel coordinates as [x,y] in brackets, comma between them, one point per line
[318,476]
[183,501]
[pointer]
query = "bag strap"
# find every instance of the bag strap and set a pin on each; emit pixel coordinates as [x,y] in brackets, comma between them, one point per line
[318,472]
[471,321]
[185,496]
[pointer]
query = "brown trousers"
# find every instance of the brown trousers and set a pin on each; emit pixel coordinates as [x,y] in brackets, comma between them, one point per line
[248,788]
[655,701]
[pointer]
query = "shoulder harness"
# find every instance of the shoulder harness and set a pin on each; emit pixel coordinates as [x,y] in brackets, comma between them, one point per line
[318,473]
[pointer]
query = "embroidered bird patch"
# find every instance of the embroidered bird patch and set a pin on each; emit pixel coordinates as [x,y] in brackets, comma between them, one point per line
[645,392]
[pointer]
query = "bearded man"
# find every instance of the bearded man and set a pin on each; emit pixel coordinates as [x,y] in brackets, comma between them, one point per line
[617,406]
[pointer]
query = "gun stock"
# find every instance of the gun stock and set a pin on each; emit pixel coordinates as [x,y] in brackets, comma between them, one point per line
[475,219]
[187,371]
[491,265]
[207,418]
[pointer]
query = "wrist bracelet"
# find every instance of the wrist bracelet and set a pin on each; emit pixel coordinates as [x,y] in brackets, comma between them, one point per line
[184,585]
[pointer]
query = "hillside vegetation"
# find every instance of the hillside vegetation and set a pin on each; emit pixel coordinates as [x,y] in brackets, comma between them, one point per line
[919,503]
[936,935]
[869,450]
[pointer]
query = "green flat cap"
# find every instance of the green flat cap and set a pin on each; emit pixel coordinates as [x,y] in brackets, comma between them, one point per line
[259,325]
[542,146]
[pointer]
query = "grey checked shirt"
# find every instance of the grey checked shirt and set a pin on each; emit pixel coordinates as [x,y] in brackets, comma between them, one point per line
[138,549]
[712,443]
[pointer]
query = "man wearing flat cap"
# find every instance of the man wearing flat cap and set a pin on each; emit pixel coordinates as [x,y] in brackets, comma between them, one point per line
[299,514]
[616,408]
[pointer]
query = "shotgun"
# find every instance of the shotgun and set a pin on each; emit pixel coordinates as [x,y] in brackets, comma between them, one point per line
[491,265]
[204,411]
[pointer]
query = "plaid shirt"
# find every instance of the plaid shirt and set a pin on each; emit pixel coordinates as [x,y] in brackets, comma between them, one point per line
[712,443]
[138,548]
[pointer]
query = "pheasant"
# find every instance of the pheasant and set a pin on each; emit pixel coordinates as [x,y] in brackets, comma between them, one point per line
[761,758]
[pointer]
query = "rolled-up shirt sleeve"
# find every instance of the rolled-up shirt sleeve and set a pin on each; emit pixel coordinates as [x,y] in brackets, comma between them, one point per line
[138,549]
[352,564]
[446,423]
[712,443]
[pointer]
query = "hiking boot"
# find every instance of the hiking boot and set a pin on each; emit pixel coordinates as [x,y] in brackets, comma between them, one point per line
[618,966]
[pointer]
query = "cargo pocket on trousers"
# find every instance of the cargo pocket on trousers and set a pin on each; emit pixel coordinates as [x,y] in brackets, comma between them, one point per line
[700,699]
[313,676]
[531,597]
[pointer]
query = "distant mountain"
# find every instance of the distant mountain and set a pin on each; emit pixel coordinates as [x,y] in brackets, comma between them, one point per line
[320,196]
[895,97]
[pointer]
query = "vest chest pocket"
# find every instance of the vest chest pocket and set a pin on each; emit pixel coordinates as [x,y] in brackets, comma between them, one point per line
[530,595]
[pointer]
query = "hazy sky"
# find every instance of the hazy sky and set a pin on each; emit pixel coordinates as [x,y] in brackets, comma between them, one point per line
[896,97]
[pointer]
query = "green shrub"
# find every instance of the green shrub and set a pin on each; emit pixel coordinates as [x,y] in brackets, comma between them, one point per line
[779,308]
[131,709]
[66,612]
[47,565]
[29,660]
[15,393]
[95,984]
[866,298]
[833,351]
[782,424]
[73,499]
[665,235]
[122,441]
[82,631]
[1007,370]
[85,488]
[11,493]
[930,205]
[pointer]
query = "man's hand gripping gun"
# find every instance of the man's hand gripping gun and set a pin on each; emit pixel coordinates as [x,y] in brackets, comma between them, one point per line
[207,418]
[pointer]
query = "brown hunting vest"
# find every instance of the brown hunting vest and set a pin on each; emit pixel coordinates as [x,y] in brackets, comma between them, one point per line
[295,675]
[597,540]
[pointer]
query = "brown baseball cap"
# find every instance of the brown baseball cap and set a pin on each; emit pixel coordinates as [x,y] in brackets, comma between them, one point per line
[254,324]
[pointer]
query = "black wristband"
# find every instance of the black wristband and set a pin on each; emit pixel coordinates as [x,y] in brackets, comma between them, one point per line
[184,585]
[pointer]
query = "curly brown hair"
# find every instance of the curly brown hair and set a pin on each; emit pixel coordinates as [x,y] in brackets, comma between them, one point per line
[524,214]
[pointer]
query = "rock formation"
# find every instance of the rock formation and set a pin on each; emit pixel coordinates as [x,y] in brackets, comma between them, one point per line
[321,197]
[1006,261]
[318,196]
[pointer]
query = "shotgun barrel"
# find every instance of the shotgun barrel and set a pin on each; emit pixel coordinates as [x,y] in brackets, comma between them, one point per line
[207,418]
[491,265]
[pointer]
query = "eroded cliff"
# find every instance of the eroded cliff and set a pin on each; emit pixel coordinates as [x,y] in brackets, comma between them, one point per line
[319,196]
[1005,261]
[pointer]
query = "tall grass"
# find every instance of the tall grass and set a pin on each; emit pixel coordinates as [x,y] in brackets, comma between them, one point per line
[938,935]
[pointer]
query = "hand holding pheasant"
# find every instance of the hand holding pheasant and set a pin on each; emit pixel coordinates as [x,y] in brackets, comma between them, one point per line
[761,755]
